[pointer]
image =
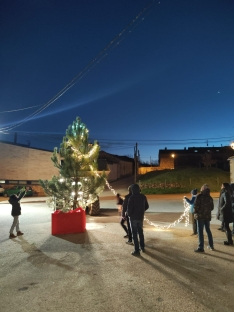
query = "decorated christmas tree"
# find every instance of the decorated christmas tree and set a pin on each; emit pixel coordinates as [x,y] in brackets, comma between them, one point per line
[79,184]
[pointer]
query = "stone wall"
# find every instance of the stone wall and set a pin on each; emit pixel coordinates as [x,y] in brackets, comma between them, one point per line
[25,163]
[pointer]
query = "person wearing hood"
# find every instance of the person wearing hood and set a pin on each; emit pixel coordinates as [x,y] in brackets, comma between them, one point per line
[225,210]
[203,206]
[14,200]
[191,203]
[137,205]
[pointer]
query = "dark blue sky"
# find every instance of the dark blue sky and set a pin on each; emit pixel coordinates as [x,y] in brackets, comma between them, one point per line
[164,79]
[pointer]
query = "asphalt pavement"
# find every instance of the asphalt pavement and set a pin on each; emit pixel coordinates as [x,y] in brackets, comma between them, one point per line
[95,271]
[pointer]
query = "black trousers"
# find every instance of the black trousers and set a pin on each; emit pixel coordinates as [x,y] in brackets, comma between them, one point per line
[228,232]
[194,223]
[127,228]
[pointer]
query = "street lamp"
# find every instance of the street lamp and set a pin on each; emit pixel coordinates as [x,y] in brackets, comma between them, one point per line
[232,145]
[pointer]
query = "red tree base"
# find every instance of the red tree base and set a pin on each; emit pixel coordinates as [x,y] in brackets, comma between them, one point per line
[70,222]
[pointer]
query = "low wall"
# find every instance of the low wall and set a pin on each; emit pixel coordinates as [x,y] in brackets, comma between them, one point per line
[144,170]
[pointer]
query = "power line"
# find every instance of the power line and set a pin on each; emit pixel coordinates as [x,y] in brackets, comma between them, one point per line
[83,72]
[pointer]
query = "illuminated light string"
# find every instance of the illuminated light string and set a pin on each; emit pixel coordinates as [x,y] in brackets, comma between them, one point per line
[185,214]
[83,72]
[88,155]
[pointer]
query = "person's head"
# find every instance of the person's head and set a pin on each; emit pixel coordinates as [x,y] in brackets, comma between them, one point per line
[227,187]
[194,192]
[205,187]
[135,188]
[117,195]
[13,197]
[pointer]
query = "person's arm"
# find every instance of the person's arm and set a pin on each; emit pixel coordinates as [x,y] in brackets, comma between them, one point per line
[223,203]
[125,205]
[212,205]
[130,206]
[196,205]
[187,200]
[146,204]
[23,192]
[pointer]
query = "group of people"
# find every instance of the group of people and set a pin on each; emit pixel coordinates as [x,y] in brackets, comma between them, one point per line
[201,206]
[134,206]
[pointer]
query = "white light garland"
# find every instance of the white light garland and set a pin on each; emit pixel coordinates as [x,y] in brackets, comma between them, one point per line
[185,214]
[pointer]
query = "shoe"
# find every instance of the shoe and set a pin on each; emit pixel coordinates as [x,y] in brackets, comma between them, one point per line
[126,236]
[193,234]
[19,233]
[227,243]
[129,242]
[199,250]
[136,253]
[220,229]
[142,249]
[12,235]
[211,248]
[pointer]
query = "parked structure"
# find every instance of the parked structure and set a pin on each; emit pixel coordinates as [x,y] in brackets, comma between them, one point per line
[120,166]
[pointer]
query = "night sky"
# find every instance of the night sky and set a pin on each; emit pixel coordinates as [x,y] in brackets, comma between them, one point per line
[157,73]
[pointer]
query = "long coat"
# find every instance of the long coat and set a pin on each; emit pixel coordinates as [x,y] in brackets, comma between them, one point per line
[225,207]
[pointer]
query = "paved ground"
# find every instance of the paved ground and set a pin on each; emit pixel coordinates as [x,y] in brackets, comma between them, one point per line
[94,271]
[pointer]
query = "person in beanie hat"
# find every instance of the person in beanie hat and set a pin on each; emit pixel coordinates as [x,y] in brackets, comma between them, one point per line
[203,206]
[191,203]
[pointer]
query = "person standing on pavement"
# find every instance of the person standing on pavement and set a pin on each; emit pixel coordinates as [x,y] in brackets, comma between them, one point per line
[14,200]
[203,206]
[225,210]
[137,205]
[125,216]
[191,203]
[119,203]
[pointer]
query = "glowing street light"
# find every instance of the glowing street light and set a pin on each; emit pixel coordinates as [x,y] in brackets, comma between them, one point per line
[232,145]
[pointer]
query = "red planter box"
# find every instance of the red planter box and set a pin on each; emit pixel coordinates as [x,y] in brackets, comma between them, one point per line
[70,222]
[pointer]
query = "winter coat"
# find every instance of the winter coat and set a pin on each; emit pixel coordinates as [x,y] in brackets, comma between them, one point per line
[203,206]
[225,207]
[191,202]
[14,201]
[137,204]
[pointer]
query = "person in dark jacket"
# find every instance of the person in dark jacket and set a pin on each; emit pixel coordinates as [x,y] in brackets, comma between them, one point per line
[14,200]
[137,205]
[119,203]
[191,203]
[126,217]
[203,206]
[225,210]
[232,187]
